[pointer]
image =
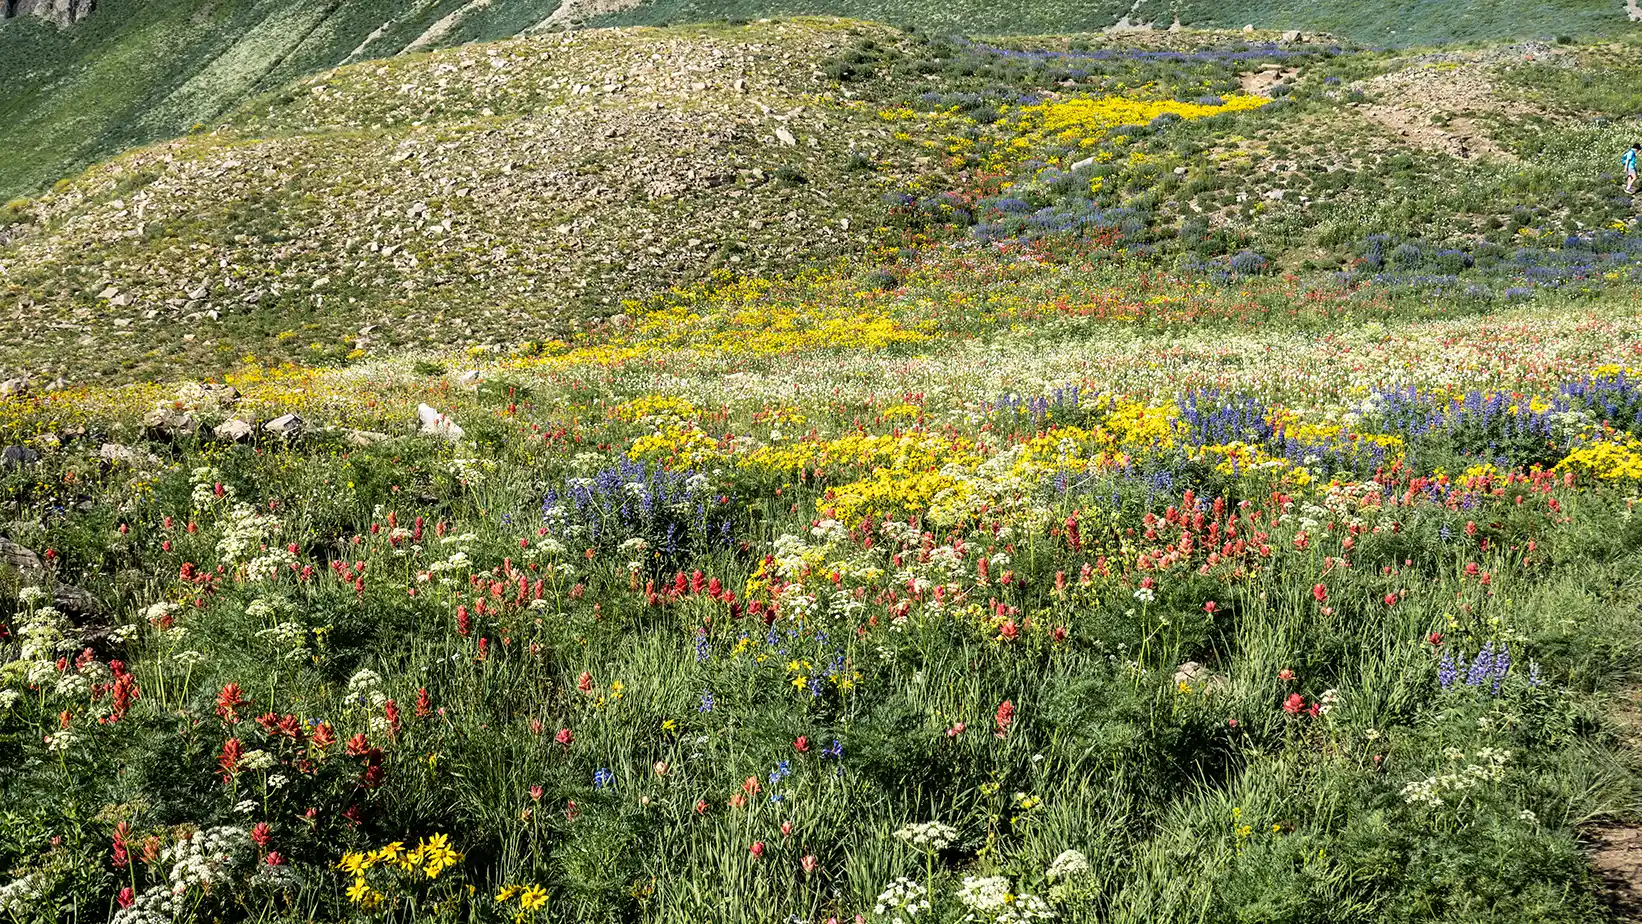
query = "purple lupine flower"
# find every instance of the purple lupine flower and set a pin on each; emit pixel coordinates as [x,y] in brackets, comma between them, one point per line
[1447,670]
[603,777]
[1502,664]
[1533,673]
[706,701]
[703,651]
[1482,667]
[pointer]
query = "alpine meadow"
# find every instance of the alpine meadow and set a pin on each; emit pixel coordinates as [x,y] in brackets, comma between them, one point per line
[820,462]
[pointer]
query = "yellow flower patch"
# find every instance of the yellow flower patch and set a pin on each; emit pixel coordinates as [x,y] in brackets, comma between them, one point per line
[1616,459]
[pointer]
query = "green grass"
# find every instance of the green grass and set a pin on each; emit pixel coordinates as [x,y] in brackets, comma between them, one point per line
[1396,24]
[142,70]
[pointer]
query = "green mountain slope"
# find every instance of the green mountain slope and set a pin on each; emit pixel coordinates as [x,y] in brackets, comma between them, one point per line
[1402,23]
[141,70]
[472,196]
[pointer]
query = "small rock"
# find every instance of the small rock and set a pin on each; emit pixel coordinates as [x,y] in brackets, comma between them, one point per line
[1249,27]
[17,457]
[170,422]
[286,425]
[471,377]
[785,137]
[1275,195]
[20,558]
[234,431]
[74,602]
[1294,35]
[1086,162]
[437,424]
[118,452]
[364,437]
[14,388]
[1193,674]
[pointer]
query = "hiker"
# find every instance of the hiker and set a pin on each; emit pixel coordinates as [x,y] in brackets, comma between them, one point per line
[1630,168]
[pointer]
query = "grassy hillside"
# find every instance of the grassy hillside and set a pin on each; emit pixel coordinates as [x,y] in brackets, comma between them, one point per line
[498,195]
[1397,24]
[142,70]
[808,471]
[478,196]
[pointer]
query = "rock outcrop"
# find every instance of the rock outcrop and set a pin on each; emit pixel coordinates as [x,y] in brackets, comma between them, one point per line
[61,12]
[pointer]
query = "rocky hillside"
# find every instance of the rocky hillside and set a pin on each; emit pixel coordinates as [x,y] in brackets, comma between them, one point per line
[502,196]
[137,71]
[473,196]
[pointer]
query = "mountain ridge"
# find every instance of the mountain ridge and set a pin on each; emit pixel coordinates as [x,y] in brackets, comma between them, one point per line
[136,72]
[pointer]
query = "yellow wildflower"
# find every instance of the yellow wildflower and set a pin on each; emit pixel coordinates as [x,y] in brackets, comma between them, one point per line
[533,898]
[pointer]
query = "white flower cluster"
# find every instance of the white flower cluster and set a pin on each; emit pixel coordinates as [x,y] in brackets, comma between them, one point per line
[244,534]
[258,759]
[288,638]
[365,686]
[458,561]
[188,658]
[1487,767]
[73,686]
[928,835]
[266,566]
[471,471]
[901,901]
[40,637]
[985,894]
[1025,908]
[17,897]
[989,898]
[154,906]
[205,857]
[61,741]
[205,482]
[157,611]
[1069,863]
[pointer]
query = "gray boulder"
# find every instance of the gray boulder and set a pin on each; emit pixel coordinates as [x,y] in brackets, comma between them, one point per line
[170,422]
[14,457]
[20,558]
[234,431]
[286,425]
[436,424]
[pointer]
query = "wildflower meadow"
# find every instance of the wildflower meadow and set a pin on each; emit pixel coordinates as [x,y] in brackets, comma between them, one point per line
[1041,559]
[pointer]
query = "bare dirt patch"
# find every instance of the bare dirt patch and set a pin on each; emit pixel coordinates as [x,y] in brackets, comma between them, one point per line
[1616,856]
[1441,102]
[571,12]
[1261,82]
[1616,849]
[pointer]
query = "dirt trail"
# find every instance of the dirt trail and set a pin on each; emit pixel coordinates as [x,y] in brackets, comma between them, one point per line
[1616,850]
[445,26]
[573,11]
[1457,136]
[1616,855]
